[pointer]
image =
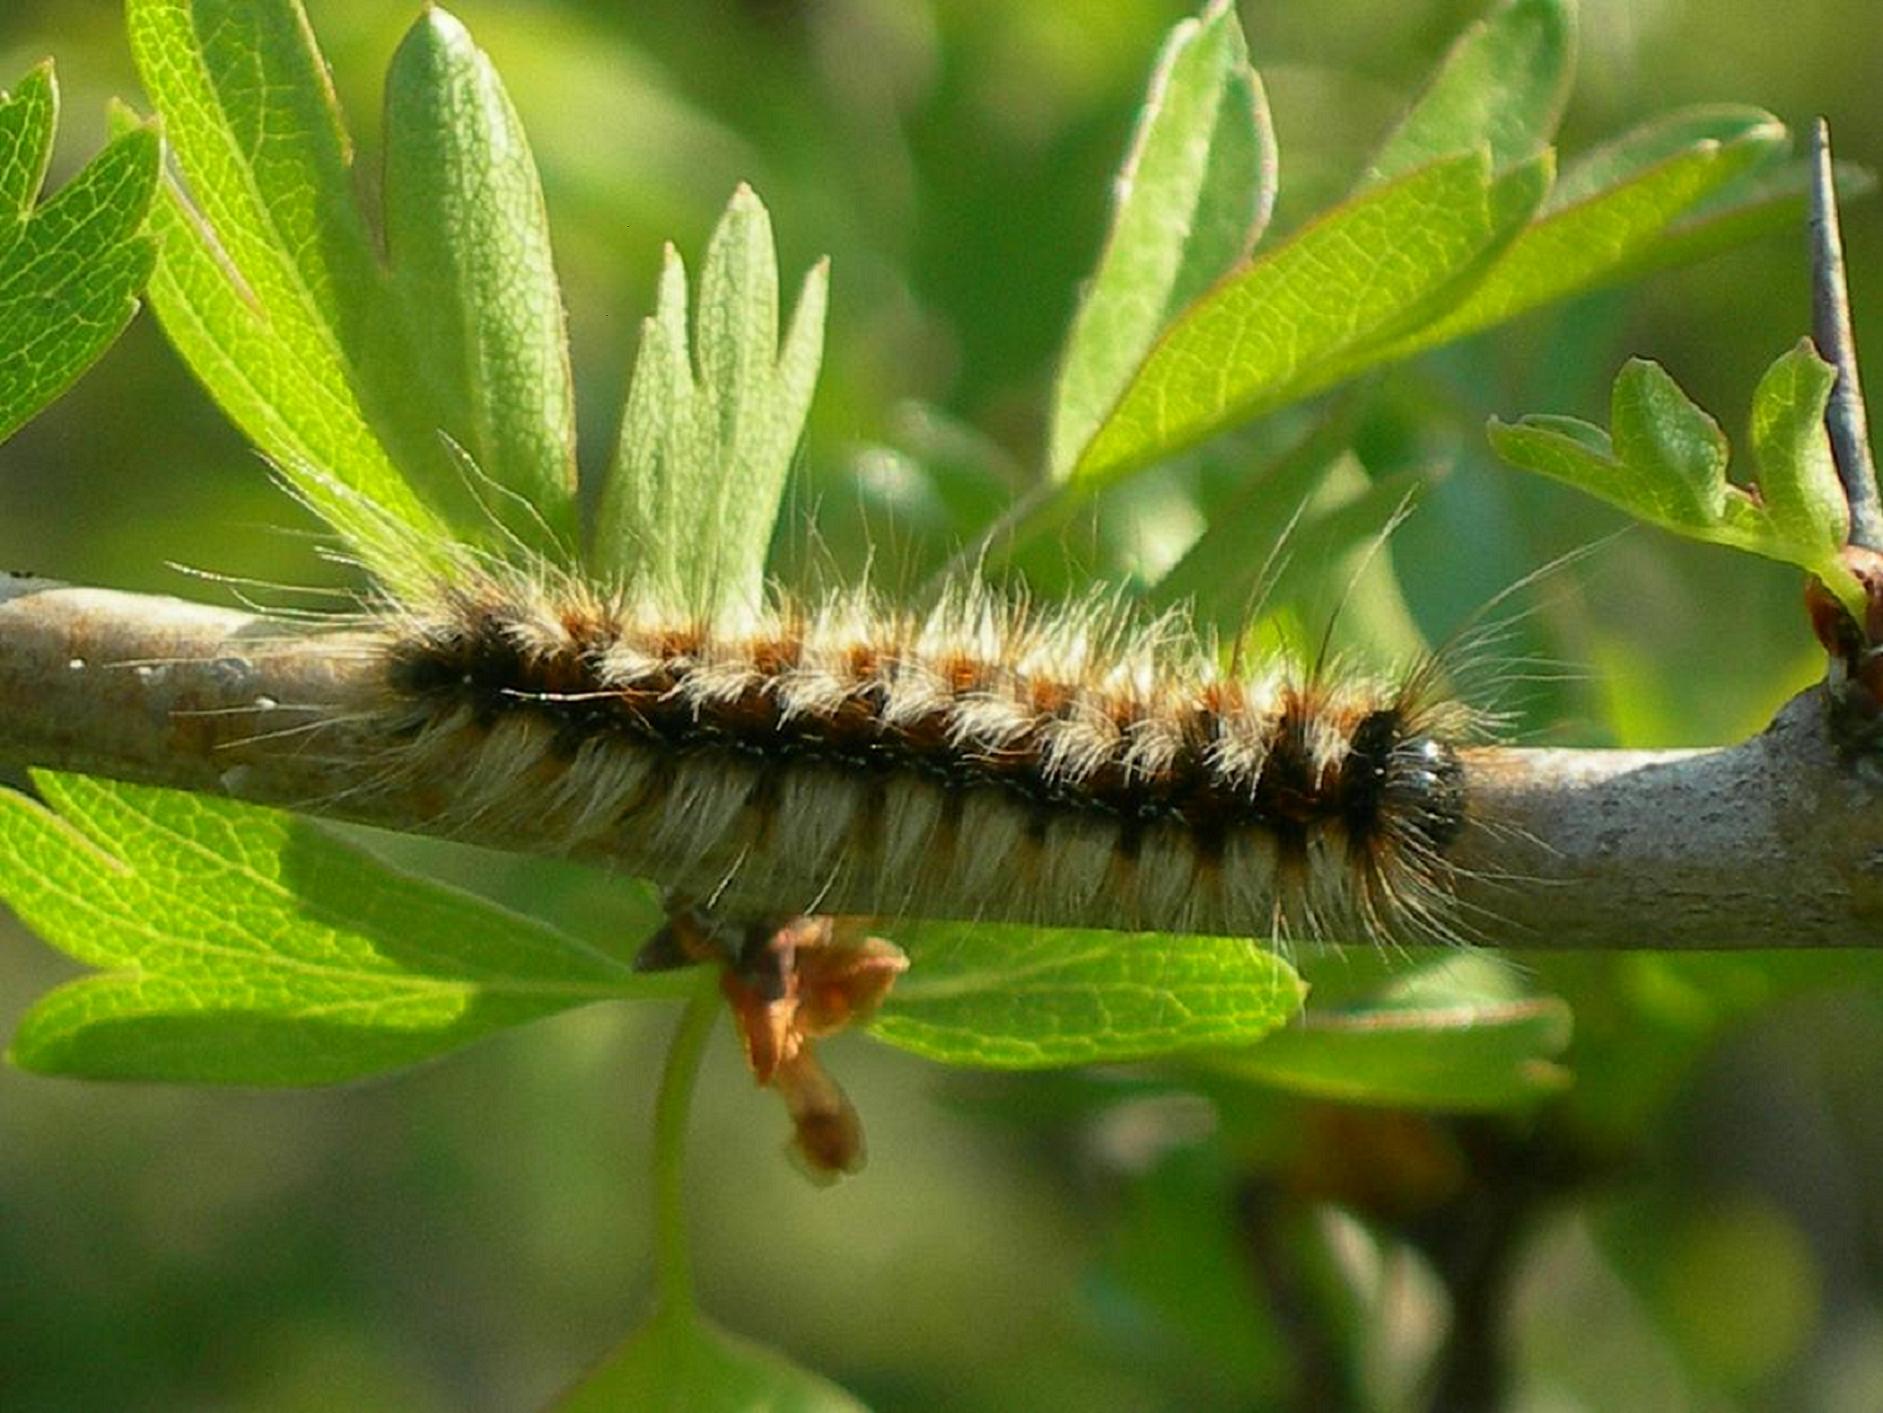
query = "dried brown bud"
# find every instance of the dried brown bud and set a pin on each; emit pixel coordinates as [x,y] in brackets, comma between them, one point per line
[788,981]
[1856,652]
[1832,622]
[845,982]
[827,1135]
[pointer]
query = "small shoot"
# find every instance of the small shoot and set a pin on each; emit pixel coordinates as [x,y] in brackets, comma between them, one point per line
[1664,461]
[712,422]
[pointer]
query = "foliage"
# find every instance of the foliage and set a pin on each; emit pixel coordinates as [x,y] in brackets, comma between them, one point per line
[245,946]
[1665,463]
[1195,193]
[271,286]
[1029,998]
[1458,224]
[71,267]
[1457,1035]
[241,945]
[710,443]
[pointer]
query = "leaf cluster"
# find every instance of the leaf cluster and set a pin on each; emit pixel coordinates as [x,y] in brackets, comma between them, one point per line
[408,375]
[1460,221]
[1664,462]
[404,366]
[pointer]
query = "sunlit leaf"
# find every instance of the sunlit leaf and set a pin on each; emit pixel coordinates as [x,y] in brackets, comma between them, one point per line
[242,945]
[1613,233]
[72,266]
[1802,497]
[267,282]
[1293,320]
[711,423]
[1194,194]
[468,242]
[1502,85]
[1665,462]
[1020,998]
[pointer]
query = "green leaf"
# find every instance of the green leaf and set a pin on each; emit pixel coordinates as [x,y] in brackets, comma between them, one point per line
[1305,315]
[1502,85]
[699,474]
[243,945]
[1803,498]
[1455,1035]
[681,1363]
[28,116]
[267,283]
[70,270]
[1655,425]
[1575,452]
[1613,233]
[1483,1056]
[1687,493]
[1769,199]
[468,242]
[251,115]
[752,399]
[1661,139]
[1192,199]
[1666,464]
[653,495]
[1296,321]
[1028,998]
[1766,195]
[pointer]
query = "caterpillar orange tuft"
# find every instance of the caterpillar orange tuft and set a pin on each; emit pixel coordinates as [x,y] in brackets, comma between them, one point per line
[982,758]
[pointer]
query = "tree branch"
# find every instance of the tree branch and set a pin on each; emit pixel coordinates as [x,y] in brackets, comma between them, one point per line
[1777,842]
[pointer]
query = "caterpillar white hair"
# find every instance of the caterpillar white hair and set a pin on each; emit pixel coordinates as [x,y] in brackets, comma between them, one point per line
[982,758]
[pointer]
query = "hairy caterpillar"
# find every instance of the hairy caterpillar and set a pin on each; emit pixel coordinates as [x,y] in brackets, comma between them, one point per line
[982,758]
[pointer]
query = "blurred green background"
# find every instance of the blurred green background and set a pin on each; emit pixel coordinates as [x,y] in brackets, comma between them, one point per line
[471,1235]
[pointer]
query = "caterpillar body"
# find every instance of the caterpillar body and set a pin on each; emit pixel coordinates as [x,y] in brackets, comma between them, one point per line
[981,759]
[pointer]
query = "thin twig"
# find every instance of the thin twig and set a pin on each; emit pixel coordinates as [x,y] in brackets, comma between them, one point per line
[1831,329]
